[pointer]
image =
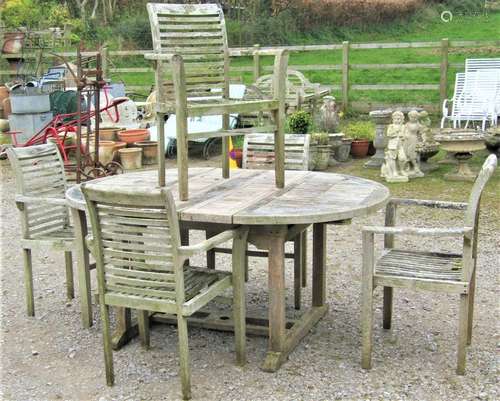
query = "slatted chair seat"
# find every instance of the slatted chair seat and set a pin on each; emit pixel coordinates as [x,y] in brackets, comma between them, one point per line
[141,265]
[192,79]
[40,198]
[421,269]
[156,292]
[419,265]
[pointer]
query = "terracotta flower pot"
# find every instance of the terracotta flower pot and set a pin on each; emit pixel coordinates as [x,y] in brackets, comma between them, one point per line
[109,134]
[149,151]
[131,158]
[133,135]
[106,151]
[118,146]
[7,109]
[359,148]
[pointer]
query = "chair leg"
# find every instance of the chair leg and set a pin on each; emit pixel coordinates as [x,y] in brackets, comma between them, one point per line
[185,371]
[70,287]
[387,319]
[367,324]
[303,252]
[472,291]
[462,333]
[297,270]
[143,323]
[239,303]
[28,282]
[106,338]
[367,300]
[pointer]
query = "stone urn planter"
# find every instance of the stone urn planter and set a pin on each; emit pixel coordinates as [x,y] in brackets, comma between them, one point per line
[461,143]
[149,151]
[131,158]
[321,157]
[335,141]
[342,153]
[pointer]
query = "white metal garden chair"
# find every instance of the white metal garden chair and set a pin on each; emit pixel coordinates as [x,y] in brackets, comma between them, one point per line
[476,98]
[421,269]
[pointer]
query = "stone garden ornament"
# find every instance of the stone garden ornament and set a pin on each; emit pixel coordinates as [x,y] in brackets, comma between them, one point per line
[393,168]
[412,131]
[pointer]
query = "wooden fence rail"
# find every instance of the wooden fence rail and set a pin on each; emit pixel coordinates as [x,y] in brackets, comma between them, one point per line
[345,86]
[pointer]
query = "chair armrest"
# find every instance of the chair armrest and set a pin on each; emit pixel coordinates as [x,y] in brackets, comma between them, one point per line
[158,56]
[22,199]
[429,203]
[191,250]
[421,231]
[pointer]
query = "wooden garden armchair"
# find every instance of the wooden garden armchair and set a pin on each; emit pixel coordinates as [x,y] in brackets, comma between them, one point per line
[140,265]
[192,79]
[423,270]
[40,198]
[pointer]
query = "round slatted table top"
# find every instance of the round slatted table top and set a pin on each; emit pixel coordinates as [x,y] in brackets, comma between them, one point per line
[250,197]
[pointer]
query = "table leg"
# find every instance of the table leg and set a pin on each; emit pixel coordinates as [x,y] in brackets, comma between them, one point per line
[276,283]
[319,265]
[82,261]
[282,341]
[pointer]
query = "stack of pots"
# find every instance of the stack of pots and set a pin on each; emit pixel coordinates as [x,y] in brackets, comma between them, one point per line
[30,112]
[139,151]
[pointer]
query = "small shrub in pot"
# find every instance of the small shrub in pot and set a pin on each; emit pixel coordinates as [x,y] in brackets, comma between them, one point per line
[361,133]
[299,122]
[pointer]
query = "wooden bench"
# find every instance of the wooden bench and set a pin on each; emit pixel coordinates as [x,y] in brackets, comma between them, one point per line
[258,151]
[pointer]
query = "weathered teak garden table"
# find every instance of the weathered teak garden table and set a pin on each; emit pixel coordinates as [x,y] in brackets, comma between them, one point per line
[251,198]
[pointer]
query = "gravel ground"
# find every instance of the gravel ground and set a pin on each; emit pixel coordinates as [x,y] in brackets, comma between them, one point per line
[50,357]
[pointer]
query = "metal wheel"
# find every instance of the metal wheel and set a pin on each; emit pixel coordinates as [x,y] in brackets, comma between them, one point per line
[113,168]
[212,147]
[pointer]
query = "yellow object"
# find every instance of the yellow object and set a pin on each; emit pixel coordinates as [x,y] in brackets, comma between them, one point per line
[232,162]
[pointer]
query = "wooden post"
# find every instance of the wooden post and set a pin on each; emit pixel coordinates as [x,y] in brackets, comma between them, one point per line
[443,82]
[104,60]
[39,63]
[67,36]
[345,75]
[256,63]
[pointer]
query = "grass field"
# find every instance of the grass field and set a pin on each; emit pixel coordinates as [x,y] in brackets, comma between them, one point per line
[481,27]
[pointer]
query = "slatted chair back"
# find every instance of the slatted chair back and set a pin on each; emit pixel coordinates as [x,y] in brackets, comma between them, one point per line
[197,32]
[39,172]
[476,64]
[479,96]
[136,241]
[473,205]
[258,151]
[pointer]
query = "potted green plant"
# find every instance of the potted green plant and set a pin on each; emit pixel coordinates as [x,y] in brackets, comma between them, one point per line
[361,133]
[321,155]
[299,122]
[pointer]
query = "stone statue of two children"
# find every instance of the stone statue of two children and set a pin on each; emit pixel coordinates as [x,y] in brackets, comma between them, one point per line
[401,155]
